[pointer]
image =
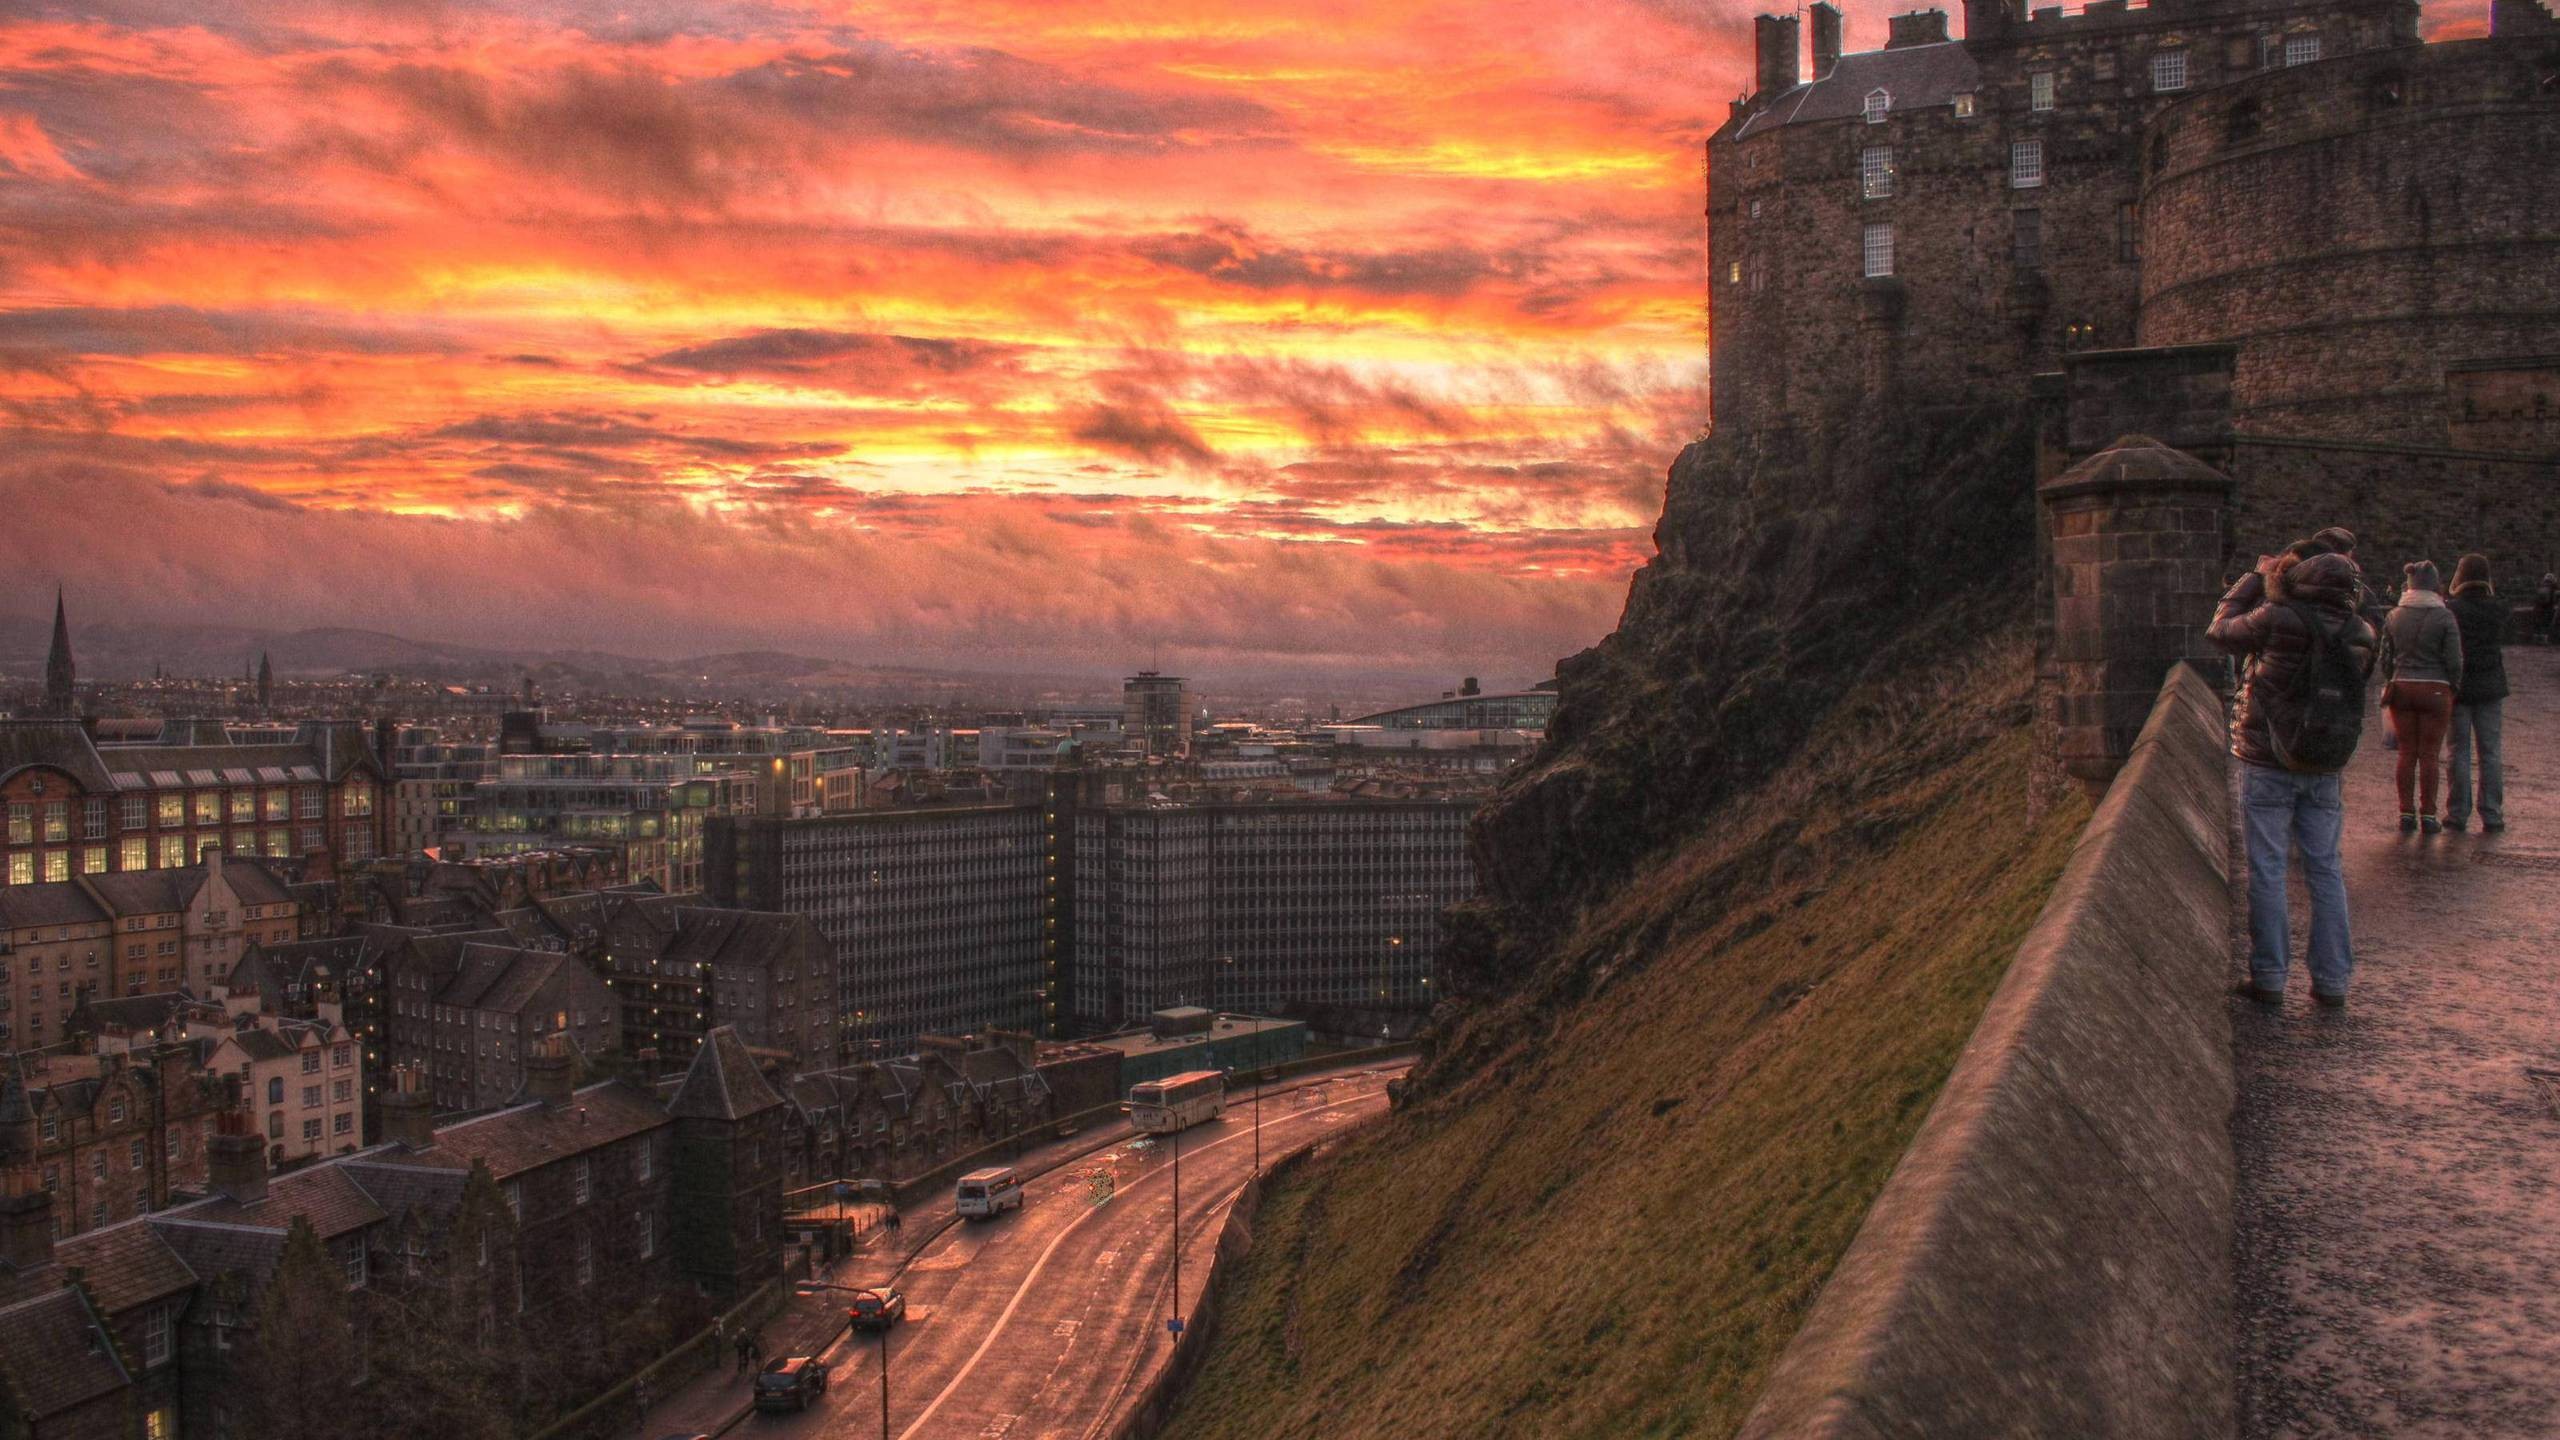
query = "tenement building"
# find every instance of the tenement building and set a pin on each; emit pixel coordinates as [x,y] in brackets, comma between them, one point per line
[74,807]
[2347,233]
[527,1260]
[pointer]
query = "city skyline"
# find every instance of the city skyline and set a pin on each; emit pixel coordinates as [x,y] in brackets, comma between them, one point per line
[1324,341]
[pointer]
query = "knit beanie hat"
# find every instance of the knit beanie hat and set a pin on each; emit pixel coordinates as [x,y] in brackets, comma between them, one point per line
[2337,538]
[2422,575]
[2471,570]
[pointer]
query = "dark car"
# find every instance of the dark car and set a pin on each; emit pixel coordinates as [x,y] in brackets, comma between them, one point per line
[791,1383]
[877,1308]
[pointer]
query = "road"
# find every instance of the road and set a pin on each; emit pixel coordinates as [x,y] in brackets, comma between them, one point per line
[1040,1325]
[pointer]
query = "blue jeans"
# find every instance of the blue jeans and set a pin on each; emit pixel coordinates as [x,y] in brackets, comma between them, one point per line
[2283,810]
[2487,722]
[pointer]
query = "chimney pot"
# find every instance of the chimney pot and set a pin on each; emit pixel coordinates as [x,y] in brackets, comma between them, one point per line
[236,1162]
[1826,38]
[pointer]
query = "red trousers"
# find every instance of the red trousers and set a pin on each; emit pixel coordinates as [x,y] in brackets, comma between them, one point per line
[2421,712]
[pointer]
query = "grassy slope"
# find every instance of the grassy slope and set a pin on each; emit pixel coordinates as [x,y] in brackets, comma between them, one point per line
[1614,1233]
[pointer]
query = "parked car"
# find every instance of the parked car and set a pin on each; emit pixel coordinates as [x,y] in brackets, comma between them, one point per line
[877,1308]
[791,1383]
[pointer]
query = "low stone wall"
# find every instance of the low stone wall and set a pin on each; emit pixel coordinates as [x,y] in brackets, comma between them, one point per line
[1155,1400]
[2052,1257]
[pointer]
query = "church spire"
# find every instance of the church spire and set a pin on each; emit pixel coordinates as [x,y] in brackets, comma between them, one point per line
[58,676]
[266,683]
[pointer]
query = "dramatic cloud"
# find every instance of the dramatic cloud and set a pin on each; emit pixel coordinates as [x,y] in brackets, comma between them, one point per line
[1326,336]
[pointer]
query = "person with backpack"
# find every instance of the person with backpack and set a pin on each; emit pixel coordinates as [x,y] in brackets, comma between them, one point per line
[2307,654]
[2478,719]
[2421,673]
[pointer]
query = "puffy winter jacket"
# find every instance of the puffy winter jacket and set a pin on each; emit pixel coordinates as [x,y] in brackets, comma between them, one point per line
[2420,641]
[2274,639]
[2483,618]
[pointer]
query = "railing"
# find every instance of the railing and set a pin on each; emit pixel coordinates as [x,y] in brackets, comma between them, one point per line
[618,1409]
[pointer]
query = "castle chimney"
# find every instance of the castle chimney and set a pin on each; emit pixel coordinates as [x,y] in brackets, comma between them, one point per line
[1773,47]
[1919,27]
[1826,38]
[26,1223]
[546,1071]
[1986,22]
[236,1160]
[408,1115]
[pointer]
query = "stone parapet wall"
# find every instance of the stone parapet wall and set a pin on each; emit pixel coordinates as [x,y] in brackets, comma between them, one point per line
[2052,1256]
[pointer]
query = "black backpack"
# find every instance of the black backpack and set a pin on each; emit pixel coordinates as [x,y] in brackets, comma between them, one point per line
[2315,721]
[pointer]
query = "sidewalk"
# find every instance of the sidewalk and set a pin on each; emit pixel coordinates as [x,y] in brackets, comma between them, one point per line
[2398,1252]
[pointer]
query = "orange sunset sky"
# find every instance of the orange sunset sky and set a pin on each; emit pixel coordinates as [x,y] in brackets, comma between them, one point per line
[1282,337]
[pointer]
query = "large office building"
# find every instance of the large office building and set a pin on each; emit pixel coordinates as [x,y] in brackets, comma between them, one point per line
[1157,713]
[937,917]
[1266,907]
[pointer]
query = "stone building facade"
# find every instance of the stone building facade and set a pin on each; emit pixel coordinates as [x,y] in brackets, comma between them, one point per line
[1937,223]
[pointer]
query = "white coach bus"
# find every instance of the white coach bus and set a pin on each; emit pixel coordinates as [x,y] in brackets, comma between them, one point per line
[1177,1102]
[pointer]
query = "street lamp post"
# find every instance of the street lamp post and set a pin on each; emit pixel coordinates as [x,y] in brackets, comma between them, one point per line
[808,1285]
[1176,1325]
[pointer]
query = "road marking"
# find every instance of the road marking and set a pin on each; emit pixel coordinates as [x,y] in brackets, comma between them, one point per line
[1066,1329]
[916,1425]
[1106,1257]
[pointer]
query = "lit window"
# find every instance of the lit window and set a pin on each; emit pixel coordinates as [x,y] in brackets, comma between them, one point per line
[57,865]
[1733,273]
[1879,251]
[1875,171]
[2301,49]
[1964,106]
[2040,90]
[136,853]
[1879,104]
[2026,164]
[2169,70]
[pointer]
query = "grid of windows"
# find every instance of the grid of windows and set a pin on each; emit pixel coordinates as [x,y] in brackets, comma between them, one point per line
[2169,70]
[2026,164]
[2301,49]
[1878,251]
[1875,171]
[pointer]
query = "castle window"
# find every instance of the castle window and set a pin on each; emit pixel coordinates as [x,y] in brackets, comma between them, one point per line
[2169,70]
[2129,233]
[1875,171]
[2040,90]
[2026,164]
[2159,153]
[1964,106]
[1733,273]
[2387,90]
[2301,49]
[1755,209]
[2242,123]
[2026,239]
[1879,251]
[1879,104]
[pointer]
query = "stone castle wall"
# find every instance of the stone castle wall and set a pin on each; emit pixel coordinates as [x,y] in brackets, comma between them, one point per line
[2355,226]
[1802,336]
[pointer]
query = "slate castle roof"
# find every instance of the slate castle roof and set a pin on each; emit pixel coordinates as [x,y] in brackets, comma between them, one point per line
[1914,76]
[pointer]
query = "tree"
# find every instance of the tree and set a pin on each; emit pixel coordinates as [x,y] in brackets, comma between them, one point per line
[437,1351]
[300,1368]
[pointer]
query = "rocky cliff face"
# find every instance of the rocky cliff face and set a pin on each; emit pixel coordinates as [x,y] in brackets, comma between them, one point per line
[1787,574]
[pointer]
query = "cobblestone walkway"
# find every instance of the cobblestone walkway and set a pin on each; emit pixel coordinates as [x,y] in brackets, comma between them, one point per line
[2398,1252]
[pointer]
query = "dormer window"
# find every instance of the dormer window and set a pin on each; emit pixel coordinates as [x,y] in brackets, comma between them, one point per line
[1964,106]
[1879,104]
